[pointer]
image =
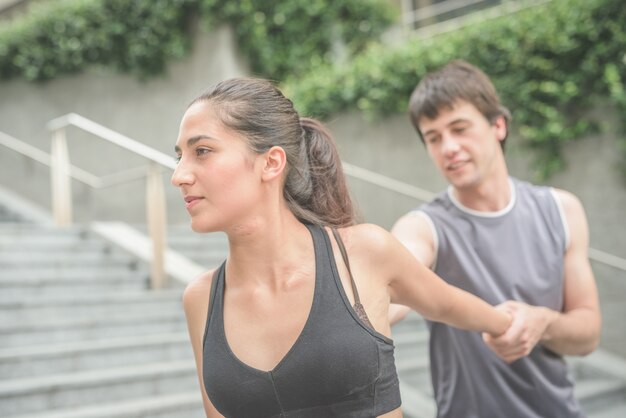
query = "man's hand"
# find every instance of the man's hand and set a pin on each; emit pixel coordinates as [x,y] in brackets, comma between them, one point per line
[526,330]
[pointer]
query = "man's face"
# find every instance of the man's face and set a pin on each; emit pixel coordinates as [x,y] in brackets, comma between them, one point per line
[463,144]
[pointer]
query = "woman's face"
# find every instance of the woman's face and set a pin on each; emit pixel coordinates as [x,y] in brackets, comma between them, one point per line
[217,173]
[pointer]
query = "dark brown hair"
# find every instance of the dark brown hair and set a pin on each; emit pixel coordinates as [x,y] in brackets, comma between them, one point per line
[457,80]
[315,187]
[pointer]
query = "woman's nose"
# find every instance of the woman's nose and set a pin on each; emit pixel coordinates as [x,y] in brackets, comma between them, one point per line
[181,176]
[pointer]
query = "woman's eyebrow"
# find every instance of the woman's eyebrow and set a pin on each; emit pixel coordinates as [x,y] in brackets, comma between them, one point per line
[193,140]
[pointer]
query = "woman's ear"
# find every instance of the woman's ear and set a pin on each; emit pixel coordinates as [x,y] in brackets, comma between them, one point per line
[274,163]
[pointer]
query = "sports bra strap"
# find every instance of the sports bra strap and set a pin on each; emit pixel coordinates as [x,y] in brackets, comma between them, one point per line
[212,296]
[358,307]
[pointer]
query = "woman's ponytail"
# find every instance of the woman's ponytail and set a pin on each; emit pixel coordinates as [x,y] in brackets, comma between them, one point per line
[317,191]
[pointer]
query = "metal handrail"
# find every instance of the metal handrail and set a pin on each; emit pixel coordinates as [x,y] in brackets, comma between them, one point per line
[166,161]
[156,211]
[411,15]
[113,137]
[76,173]
[495,11]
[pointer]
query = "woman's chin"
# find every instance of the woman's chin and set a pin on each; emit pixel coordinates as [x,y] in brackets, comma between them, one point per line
[201,227]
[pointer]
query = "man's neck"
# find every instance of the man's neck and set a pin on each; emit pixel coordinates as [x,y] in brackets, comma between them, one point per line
[491,195]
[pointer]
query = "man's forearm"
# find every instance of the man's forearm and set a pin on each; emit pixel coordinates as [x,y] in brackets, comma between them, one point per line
[576,332]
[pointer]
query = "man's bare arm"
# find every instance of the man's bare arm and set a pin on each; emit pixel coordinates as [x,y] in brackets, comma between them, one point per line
[414,231]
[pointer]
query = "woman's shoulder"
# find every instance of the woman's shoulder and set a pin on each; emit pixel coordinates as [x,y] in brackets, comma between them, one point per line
[368,239]
[198,290]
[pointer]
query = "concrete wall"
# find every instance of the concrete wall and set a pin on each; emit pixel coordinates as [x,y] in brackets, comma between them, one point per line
[150,112]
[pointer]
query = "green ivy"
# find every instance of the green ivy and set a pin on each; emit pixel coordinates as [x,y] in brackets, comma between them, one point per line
[547,62]
[141,36]
[281,38]
[65,37]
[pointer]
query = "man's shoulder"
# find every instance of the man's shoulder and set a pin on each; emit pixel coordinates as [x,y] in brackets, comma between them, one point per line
[441,201]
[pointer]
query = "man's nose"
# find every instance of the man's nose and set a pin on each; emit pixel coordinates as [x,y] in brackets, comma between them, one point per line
[450,144]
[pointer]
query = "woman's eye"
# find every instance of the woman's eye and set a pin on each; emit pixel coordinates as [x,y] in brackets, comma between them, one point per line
[202,151]
[177,158]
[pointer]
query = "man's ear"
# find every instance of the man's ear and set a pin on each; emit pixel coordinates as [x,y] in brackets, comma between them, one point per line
[274,163]
[501,128]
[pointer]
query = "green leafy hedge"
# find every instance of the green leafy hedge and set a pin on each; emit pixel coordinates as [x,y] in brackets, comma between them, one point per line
[288,37]
[547,62]
[141,36]
[65,37]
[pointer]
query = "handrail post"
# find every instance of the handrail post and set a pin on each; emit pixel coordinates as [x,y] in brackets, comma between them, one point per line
[60,178]
[157,219]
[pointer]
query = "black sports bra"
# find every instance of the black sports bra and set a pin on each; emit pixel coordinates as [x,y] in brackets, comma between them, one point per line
[339,365]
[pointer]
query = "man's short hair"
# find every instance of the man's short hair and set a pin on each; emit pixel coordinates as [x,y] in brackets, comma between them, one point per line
[457,80]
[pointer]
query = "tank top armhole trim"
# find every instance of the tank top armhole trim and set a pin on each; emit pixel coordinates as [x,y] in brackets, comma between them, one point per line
[342,292]
[559,206]
[433,231]
[212,295]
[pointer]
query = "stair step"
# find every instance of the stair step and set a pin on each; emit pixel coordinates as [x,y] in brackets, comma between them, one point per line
[40,235]
[130,283]
[46,393]
[19,260]
[413,365]
[18,228]
[415,402]
[595,394]
[62,244]
[132,304]
[175,405]
[410,338]
[36,276]
[79,329]
[174,292]
[65,357]
[80,282]
[610,411]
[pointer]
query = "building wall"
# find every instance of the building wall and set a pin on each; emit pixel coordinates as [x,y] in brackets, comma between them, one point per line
[150,112]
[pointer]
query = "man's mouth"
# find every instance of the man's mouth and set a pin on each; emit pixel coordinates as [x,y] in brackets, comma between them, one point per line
[455,165]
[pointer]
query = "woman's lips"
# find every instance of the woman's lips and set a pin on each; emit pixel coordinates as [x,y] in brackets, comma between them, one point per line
[191,201]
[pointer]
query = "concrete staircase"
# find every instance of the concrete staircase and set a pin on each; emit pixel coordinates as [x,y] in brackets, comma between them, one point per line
[82,336]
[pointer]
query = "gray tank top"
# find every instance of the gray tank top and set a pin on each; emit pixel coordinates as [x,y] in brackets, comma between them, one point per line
[338,366]
[516,253]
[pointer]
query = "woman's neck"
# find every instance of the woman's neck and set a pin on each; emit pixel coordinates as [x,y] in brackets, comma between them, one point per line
[268,251]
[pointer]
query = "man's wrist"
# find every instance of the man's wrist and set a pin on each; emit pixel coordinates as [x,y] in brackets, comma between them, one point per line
[549,316]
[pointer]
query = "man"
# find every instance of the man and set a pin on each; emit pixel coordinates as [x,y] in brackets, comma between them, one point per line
[520,246]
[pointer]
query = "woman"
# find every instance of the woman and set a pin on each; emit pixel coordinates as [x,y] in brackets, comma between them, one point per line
[295,322]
